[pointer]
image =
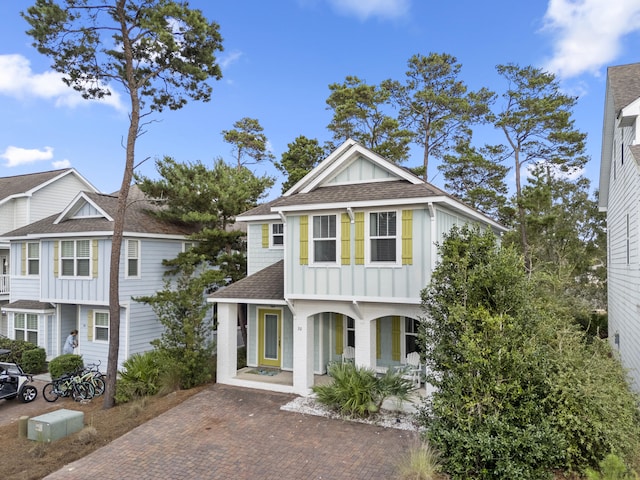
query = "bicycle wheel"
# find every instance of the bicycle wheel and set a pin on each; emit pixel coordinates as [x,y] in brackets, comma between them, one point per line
[98,385]
[49,392]
[82,391]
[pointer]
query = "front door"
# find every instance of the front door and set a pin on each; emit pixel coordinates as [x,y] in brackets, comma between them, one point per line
[269,331]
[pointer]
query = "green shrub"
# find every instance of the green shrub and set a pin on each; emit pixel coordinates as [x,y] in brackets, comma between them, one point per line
[358,392]
[34,360]
[17,349]
[611,468]
[140,376]
[64,364]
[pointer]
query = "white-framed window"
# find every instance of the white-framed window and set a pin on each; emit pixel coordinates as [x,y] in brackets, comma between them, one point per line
[75,258]
[101,326]
[383,244]
[277,235]
[26,327]
[324,239]
[186,246]
[410,335]
[133,258]
[33,258]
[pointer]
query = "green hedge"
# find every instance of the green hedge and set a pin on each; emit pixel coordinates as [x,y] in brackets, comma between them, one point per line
[32,362]
[66,363]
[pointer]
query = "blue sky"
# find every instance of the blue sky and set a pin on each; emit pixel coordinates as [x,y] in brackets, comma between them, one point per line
[281,55]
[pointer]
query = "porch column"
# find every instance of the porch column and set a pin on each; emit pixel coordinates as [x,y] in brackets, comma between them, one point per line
[365,343]
[302,354]
[227,341]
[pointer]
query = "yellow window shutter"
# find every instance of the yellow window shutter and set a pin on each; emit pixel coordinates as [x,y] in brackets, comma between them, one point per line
[339,334]
[407,237]
[265,235]
[345,250]
[56,258]
[359,219]
[94,257]
[395,339]
[304,240]
[23,268]
[378,338]
[90,326]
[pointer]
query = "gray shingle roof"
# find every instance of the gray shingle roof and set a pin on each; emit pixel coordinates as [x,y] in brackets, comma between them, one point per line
[23,183]
[29,305]
[358,192]
[138,219]
[267,284]
[624,81]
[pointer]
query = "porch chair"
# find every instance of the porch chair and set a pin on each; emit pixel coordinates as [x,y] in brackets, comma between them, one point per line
[414,369]
[348,354]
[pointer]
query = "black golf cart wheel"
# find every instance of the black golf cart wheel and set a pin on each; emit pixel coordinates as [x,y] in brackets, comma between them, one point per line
[48,392]
[28,394]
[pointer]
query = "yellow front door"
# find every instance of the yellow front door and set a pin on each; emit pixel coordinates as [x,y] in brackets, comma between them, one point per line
[269,331]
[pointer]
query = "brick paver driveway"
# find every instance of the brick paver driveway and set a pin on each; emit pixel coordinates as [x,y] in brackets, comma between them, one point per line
[235,433]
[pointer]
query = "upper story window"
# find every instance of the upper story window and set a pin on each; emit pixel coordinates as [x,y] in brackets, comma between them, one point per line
[277,235]
[33,258]
[324,238]
[26,327]
[75,258]
[133,258]
[382,237]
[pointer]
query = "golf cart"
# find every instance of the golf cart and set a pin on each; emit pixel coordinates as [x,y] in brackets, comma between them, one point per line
[15,383]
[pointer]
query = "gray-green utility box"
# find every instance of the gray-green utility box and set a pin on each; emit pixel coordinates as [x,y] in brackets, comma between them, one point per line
[54,425]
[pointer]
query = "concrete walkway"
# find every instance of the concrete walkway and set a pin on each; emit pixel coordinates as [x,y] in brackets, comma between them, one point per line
[236,433]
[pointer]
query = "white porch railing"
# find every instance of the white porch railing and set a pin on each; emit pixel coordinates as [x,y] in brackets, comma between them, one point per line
[4,284]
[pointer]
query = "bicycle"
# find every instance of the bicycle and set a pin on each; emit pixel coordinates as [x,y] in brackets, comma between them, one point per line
[94,376]
[68,386]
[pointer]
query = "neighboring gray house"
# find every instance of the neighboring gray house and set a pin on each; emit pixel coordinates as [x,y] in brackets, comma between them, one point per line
[620,199]
[338,261]
[25,199]
[60,275]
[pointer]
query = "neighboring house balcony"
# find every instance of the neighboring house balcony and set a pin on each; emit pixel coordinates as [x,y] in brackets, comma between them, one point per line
[4,287]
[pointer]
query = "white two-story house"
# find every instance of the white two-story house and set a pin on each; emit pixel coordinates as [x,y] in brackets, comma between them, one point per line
[620,199]
[60,275]
[25,199]
[338,261]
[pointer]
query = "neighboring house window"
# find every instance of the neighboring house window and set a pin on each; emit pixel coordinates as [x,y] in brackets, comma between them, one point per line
[26,327]
[382,236]
[351,332]
[33,258]
[133,258]
[75,258]
[411,335]
[277,234]
[101,326]
[186,246]
[324,238]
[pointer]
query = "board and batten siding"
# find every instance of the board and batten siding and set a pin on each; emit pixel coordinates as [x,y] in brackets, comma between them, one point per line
[355,278]
[259,256]
[360,170]
[623,225]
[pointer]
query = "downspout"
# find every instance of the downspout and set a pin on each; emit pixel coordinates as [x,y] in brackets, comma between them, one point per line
[434,251]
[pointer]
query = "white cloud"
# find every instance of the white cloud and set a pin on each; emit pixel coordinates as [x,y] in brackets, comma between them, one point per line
[363,9]
[588,33]
[18,80]
[230,58]
[21,156]
[61,164]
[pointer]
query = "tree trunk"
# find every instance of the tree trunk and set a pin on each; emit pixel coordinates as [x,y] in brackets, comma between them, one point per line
[118,221]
